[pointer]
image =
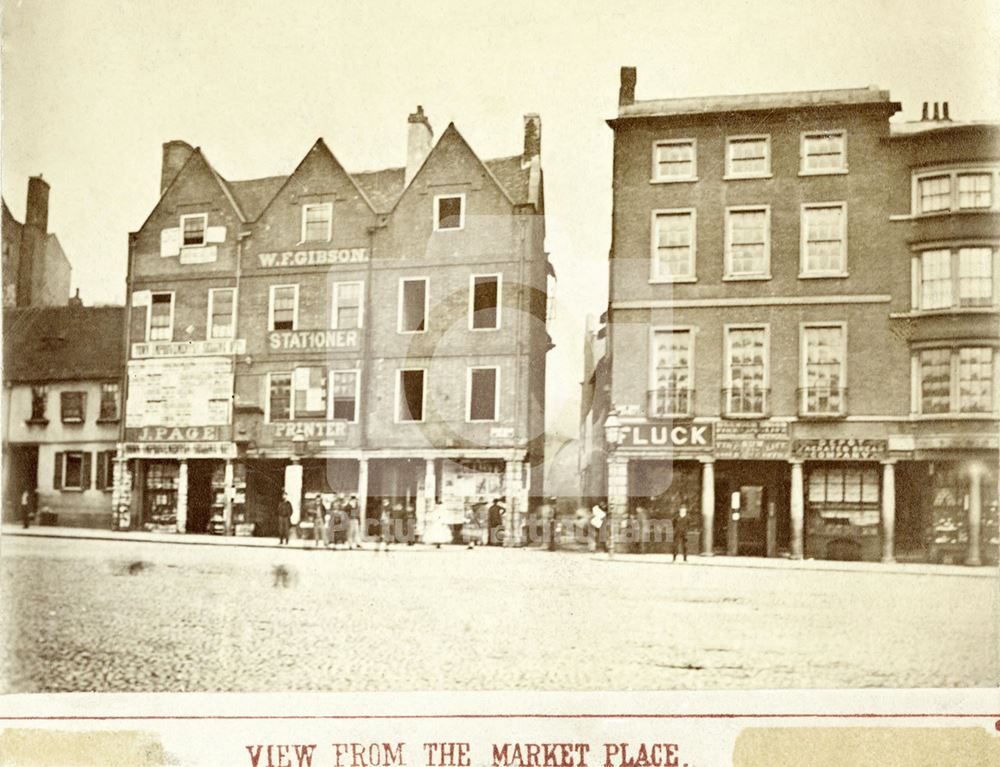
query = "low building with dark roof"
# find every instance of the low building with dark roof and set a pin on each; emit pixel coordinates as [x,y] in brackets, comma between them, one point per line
[62,375]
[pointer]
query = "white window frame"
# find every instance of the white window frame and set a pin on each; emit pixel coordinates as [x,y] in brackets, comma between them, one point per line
[953,172]
[149,314]
[83,480]
[328,207]
[692,332]
[730,174]
[804,273]
[805,136]
[656,178]
[468,394]
[204,230]
[954,411]
[803,366]
[728,368]
[654,246]
[732,276]
[267,395]
[211,305]
[437,212]
[423,394]
[272,290]
[357,392]
[399,304]
[335,302]
[954,249]
[472,301]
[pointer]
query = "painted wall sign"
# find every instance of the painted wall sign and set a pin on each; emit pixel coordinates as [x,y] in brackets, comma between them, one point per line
[313,257]
[178,434]
[651,435]
[178,450]
[189,348]
[737,440]
[312,340]
[309,429]
[958,442]
[839,449]
[179,392]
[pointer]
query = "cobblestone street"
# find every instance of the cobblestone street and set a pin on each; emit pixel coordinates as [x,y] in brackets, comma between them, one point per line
[117,616]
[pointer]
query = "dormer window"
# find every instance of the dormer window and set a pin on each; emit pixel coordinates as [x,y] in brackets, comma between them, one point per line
[317,222]
[449,212]
[193,230]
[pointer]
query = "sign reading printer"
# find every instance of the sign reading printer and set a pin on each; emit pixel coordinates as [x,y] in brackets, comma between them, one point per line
[314,257]
[312,340]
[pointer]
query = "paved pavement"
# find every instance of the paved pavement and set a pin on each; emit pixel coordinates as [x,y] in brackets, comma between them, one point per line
[129,615]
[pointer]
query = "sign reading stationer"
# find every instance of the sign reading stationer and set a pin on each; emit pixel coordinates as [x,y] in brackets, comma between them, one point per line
[313,340]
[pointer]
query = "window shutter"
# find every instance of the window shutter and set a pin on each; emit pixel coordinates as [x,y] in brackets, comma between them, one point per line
[57,474]
[215,234]
[102,463]
[85,471]
[170,242]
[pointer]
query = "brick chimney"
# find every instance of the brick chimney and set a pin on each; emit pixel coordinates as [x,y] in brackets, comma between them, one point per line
[532,137]
[419,135]
[33,236]
[175,154]
[626,91]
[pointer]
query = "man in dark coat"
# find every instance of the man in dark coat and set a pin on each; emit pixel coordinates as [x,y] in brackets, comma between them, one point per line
[681,523]
[284,518]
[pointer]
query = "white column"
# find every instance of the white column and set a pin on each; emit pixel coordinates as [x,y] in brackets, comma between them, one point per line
[975,515]
[707,505]
[293,487]
[797,509]
[227,497]
[182,496]
[888,511]
[513,482]
[618,495]
[363,494]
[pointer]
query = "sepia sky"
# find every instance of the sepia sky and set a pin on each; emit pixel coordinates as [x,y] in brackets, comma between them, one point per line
[92,88]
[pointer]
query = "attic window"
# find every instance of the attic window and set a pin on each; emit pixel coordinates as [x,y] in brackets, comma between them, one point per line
[193,229]
[317,221]
[449,212]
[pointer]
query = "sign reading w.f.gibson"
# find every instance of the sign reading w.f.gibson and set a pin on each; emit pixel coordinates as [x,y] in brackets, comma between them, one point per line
[313,257]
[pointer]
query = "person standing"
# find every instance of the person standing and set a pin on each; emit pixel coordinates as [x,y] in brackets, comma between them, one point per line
[353,523]
[494,522]
[384,525]
[597,517]
[26,509]
[318,520]
[681,523]
[284,519]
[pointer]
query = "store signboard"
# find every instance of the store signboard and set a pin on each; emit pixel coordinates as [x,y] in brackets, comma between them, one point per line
[336,257]
[308,430]
[179,392]
[958,442]
[178,434]
[179,450]
[751,440]
[839,449]
[687,436]
[313,340]
[225,346]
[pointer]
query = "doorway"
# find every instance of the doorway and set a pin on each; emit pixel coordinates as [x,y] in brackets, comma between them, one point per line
[199,500]
[753,486]
[21,475]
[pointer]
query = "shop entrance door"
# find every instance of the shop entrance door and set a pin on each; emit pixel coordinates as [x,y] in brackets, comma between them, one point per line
[21,477]
[199,512]
[756,488]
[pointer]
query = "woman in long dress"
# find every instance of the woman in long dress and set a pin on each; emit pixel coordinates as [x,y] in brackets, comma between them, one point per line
[436,531]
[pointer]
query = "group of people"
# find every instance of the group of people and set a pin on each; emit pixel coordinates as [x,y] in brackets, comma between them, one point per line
[333,523]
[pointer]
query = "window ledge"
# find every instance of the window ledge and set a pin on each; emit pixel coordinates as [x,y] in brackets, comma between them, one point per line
[109,420]
[685,180]
[746,416]
[671,280]
[746,277]
[73,421]
[483,330]
[954,416]
[822,416]
[824,276]
[37,422]
[914,313]
[71,489]
[748,176]
[836,172]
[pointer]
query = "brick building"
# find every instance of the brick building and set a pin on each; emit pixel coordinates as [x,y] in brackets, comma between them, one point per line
[379,333]
[763,344]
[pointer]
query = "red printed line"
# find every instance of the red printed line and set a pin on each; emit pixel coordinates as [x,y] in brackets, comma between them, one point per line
[286,717]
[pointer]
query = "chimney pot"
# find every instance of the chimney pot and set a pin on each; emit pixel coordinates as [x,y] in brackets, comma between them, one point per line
[944,112]
[937,112]
[419,135]
[924,113]
[626,90]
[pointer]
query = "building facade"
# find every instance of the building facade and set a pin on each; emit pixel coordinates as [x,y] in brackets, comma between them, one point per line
[763,344]
[61,412]
[36,271]
[378,333]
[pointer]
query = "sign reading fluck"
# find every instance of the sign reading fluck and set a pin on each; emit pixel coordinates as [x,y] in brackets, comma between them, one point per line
[650,435]
[309,429]
[313,257]
[312,340]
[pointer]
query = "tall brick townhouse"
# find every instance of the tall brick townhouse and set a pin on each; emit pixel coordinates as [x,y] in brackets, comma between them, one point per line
[803,325]
[380,333]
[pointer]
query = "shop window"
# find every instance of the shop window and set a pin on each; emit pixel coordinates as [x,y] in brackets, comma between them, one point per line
[823,356]
[449,212]
[748,156]
[110,401]
[317,222]
[344,393]
[72,471]
[410,395]
[413,305]
[221,312]
[485,302]
[746,350]
[283,307]
[193,229]
[675,160]
[747,242]
[346,312]
[73,406]
[673,360]
[960,278]
[824,152]
[39,398]
[673,245]
[279,397]
[956,381]
[484,393]
[309,393]
[160,501]
[161,317]
[824,240]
